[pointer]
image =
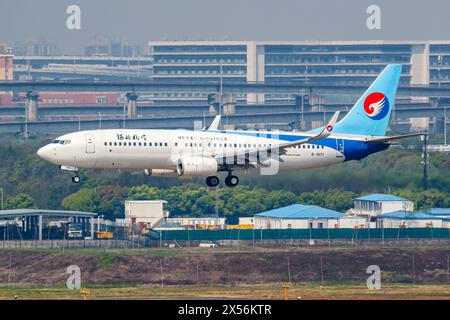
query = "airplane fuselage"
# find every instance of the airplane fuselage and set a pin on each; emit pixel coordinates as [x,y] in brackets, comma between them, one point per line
[161,149]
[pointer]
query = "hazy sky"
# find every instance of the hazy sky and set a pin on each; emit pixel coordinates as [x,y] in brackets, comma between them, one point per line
[144,20]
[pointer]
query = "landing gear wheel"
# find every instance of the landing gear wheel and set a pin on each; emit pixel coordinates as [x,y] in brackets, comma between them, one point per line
[231,181]
[76,179]
[212,181]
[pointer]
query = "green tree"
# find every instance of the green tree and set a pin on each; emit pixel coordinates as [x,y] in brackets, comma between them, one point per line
[79,201]
[109,201]
[21,201]
[144,192]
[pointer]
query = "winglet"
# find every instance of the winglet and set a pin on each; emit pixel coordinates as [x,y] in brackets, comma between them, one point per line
[326,131]
[216,123]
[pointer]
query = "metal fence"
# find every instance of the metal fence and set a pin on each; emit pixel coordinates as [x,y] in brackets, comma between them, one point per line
[77,244]
[292,234]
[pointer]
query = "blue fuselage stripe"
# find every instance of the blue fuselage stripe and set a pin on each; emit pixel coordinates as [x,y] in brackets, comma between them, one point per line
[352,149]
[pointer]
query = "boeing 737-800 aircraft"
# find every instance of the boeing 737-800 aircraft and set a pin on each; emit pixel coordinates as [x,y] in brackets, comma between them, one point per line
[206,152]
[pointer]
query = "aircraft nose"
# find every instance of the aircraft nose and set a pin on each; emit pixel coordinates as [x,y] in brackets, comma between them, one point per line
[44,153]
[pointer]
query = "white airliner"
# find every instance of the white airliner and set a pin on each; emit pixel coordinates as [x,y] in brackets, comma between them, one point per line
[207,152]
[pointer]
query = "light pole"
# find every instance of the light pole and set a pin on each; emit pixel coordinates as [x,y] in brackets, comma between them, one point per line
[1,197]
[98,222]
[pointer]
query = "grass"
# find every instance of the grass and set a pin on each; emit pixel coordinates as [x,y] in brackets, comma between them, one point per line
[268,291]
[168,252]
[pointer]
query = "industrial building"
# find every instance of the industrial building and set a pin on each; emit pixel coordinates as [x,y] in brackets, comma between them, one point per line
[334,62]
[373,205]
[298,216]
[408,219]
[203,222]
[437,212]
[146,213]
[6,63]
[39,224]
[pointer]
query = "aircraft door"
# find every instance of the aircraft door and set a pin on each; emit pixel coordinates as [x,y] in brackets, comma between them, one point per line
[90,143]
[339,147]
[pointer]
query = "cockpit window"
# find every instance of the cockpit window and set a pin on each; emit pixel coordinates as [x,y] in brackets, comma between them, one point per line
[62,141]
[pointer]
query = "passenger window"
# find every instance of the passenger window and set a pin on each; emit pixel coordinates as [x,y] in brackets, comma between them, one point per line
[106,143]
[120,143]
[134,144]
[140,144]
[115,144]
[110,143]
[165,144]
[160,144]
[145,144]
[176,144]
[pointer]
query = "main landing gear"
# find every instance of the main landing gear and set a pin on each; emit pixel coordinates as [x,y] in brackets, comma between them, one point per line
[230,181]
[212,181]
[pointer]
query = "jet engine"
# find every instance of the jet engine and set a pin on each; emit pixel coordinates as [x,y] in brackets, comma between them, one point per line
[196,166]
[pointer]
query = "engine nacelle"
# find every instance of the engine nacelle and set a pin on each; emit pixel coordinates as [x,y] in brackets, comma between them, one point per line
[160,172]
[196,166]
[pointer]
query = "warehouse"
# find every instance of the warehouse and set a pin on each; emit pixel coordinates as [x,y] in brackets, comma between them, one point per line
[298,216]
[376,204]
[437,212]
[408,219]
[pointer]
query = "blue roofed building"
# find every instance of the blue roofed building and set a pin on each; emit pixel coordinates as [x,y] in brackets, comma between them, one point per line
[408,219]
[376,204]
[438,212]
[298,216]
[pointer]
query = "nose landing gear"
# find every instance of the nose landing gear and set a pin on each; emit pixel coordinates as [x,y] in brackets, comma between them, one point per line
[76,178]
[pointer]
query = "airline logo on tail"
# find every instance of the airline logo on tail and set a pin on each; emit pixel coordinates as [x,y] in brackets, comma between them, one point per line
[376,105]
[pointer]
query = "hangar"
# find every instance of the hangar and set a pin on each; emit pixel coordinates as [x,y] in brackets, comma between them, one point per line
[29,223]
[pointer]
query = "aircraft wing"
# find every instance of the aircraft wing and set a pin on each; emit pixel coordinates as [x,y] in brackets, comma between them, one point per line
[255,157]
[393,138]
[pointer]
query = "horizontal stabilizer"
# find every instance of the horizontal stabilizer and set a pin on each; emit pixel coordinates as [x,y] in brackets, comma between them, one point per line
[393,138]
